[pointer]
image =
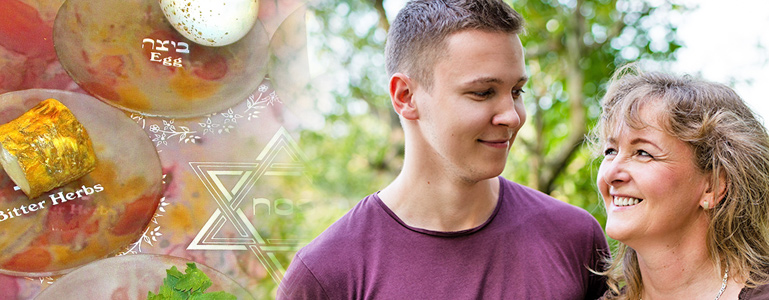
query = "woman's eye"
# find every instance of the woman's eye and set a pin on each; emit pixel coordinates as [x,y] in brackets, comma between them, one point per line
[609,151]
[517,93]
[644,153]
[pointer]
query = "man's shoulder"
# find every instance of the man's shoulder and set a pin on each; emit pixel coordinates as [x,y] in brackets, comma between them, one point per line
[531,203]
[335,257]
[549,221]
[528,196]
[346,235]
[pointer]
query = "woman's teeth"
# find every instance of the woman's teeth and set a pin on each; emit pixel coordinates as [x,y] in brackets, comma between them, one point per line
[626,201]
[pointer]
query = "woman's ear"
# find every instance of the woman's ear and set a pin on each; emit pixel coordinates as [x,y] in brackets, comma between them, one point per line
[716,191]
[402,96]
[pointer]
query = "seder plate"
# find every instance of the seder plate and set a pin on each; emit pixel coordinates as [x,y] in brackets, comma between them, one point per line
[93,217]
[127,54]
[131,277]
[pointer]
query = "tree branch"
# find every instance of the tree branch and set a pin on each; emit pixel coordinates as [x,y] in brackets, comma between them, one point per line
[383,22]
[562,160]
[575,82]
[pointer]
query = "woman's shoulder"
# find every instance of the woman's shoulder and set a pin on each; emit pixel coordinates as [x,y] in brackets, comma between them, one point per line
[760,292]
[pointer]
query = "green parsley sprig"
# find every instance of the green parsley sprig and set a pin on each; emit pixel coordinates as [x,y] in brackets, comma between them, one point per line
[189,286]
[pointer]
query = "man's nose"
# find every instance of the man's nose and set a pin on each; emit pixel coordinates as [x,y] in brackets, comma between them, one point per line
[507,114]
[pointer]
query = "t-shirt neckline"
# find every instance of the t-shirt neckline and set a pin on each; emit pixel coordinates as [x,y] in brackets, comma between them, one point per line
[445,233]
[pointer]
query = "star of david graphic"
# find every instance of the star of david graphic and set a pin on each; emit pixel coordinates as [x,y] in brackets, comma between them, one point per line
[229,198]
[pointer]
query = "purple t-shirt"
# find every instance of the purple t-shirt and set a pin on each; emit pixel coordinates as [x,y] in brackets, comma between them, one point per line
[532,247]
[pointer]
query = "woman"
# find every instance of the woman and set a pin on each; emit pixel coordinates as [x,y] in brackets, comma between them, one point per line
[685,181]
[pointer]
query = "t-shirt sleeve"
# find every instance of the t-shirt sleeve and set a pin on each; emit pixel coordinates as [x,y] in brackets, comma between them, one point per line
[597,283]
[300,283]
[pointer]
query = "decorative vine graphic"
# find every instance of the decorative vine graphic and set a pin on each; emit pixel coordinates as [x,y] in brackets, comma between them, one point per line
[163,131]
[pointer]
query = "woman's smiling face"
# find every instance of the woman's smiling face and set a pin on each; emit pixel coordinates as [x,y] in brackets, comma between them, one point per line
[649,183]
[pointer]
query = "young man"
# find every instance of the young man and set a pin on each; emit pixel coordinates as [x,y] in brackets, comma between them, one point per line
[449,227]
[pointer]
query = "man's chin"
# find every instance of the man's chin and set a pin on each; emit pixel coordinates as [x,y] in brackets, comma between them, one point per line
[482,176]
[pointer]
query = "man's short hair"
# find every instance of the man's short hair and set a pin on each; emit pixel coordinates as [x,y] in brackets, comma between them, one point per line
[417,36]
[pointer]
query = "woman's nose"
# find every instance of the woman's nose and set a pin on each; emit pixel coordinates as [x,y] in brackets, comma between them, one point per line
[614,171]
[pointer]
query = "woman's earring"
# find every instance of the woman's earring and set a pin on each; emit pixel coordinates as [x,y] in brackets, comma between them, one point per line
[706,205]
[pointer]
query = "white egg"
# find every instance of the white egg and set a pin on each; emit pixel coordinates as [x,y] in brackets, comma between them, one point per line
[211,22]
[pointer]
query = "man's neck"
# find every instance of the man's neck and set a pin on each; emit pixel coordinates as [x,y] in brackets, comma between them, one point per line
[440,203]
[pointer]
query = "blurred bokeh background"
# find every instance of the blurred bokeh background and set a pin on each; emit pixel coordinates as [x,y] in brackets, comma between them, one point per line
[572,47]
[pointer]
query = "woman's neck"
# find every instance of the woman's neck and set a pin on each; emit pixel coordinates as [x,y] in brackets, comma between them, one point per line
[681,270]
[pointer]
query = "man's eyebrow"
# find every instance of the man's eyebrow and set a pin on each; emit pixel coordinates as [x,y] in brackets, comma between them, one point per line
[489,79]
[484,80]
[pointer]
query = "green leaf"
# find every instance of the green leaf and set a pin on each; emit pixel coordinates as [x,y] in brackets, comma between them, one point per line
[151,296]
[173,276]
[194,280]
[191,285]
[168,293]
[214,296]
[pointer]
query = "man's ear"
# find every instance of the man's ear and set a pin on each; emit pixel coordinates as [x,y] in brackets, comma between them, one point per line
[402,96]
